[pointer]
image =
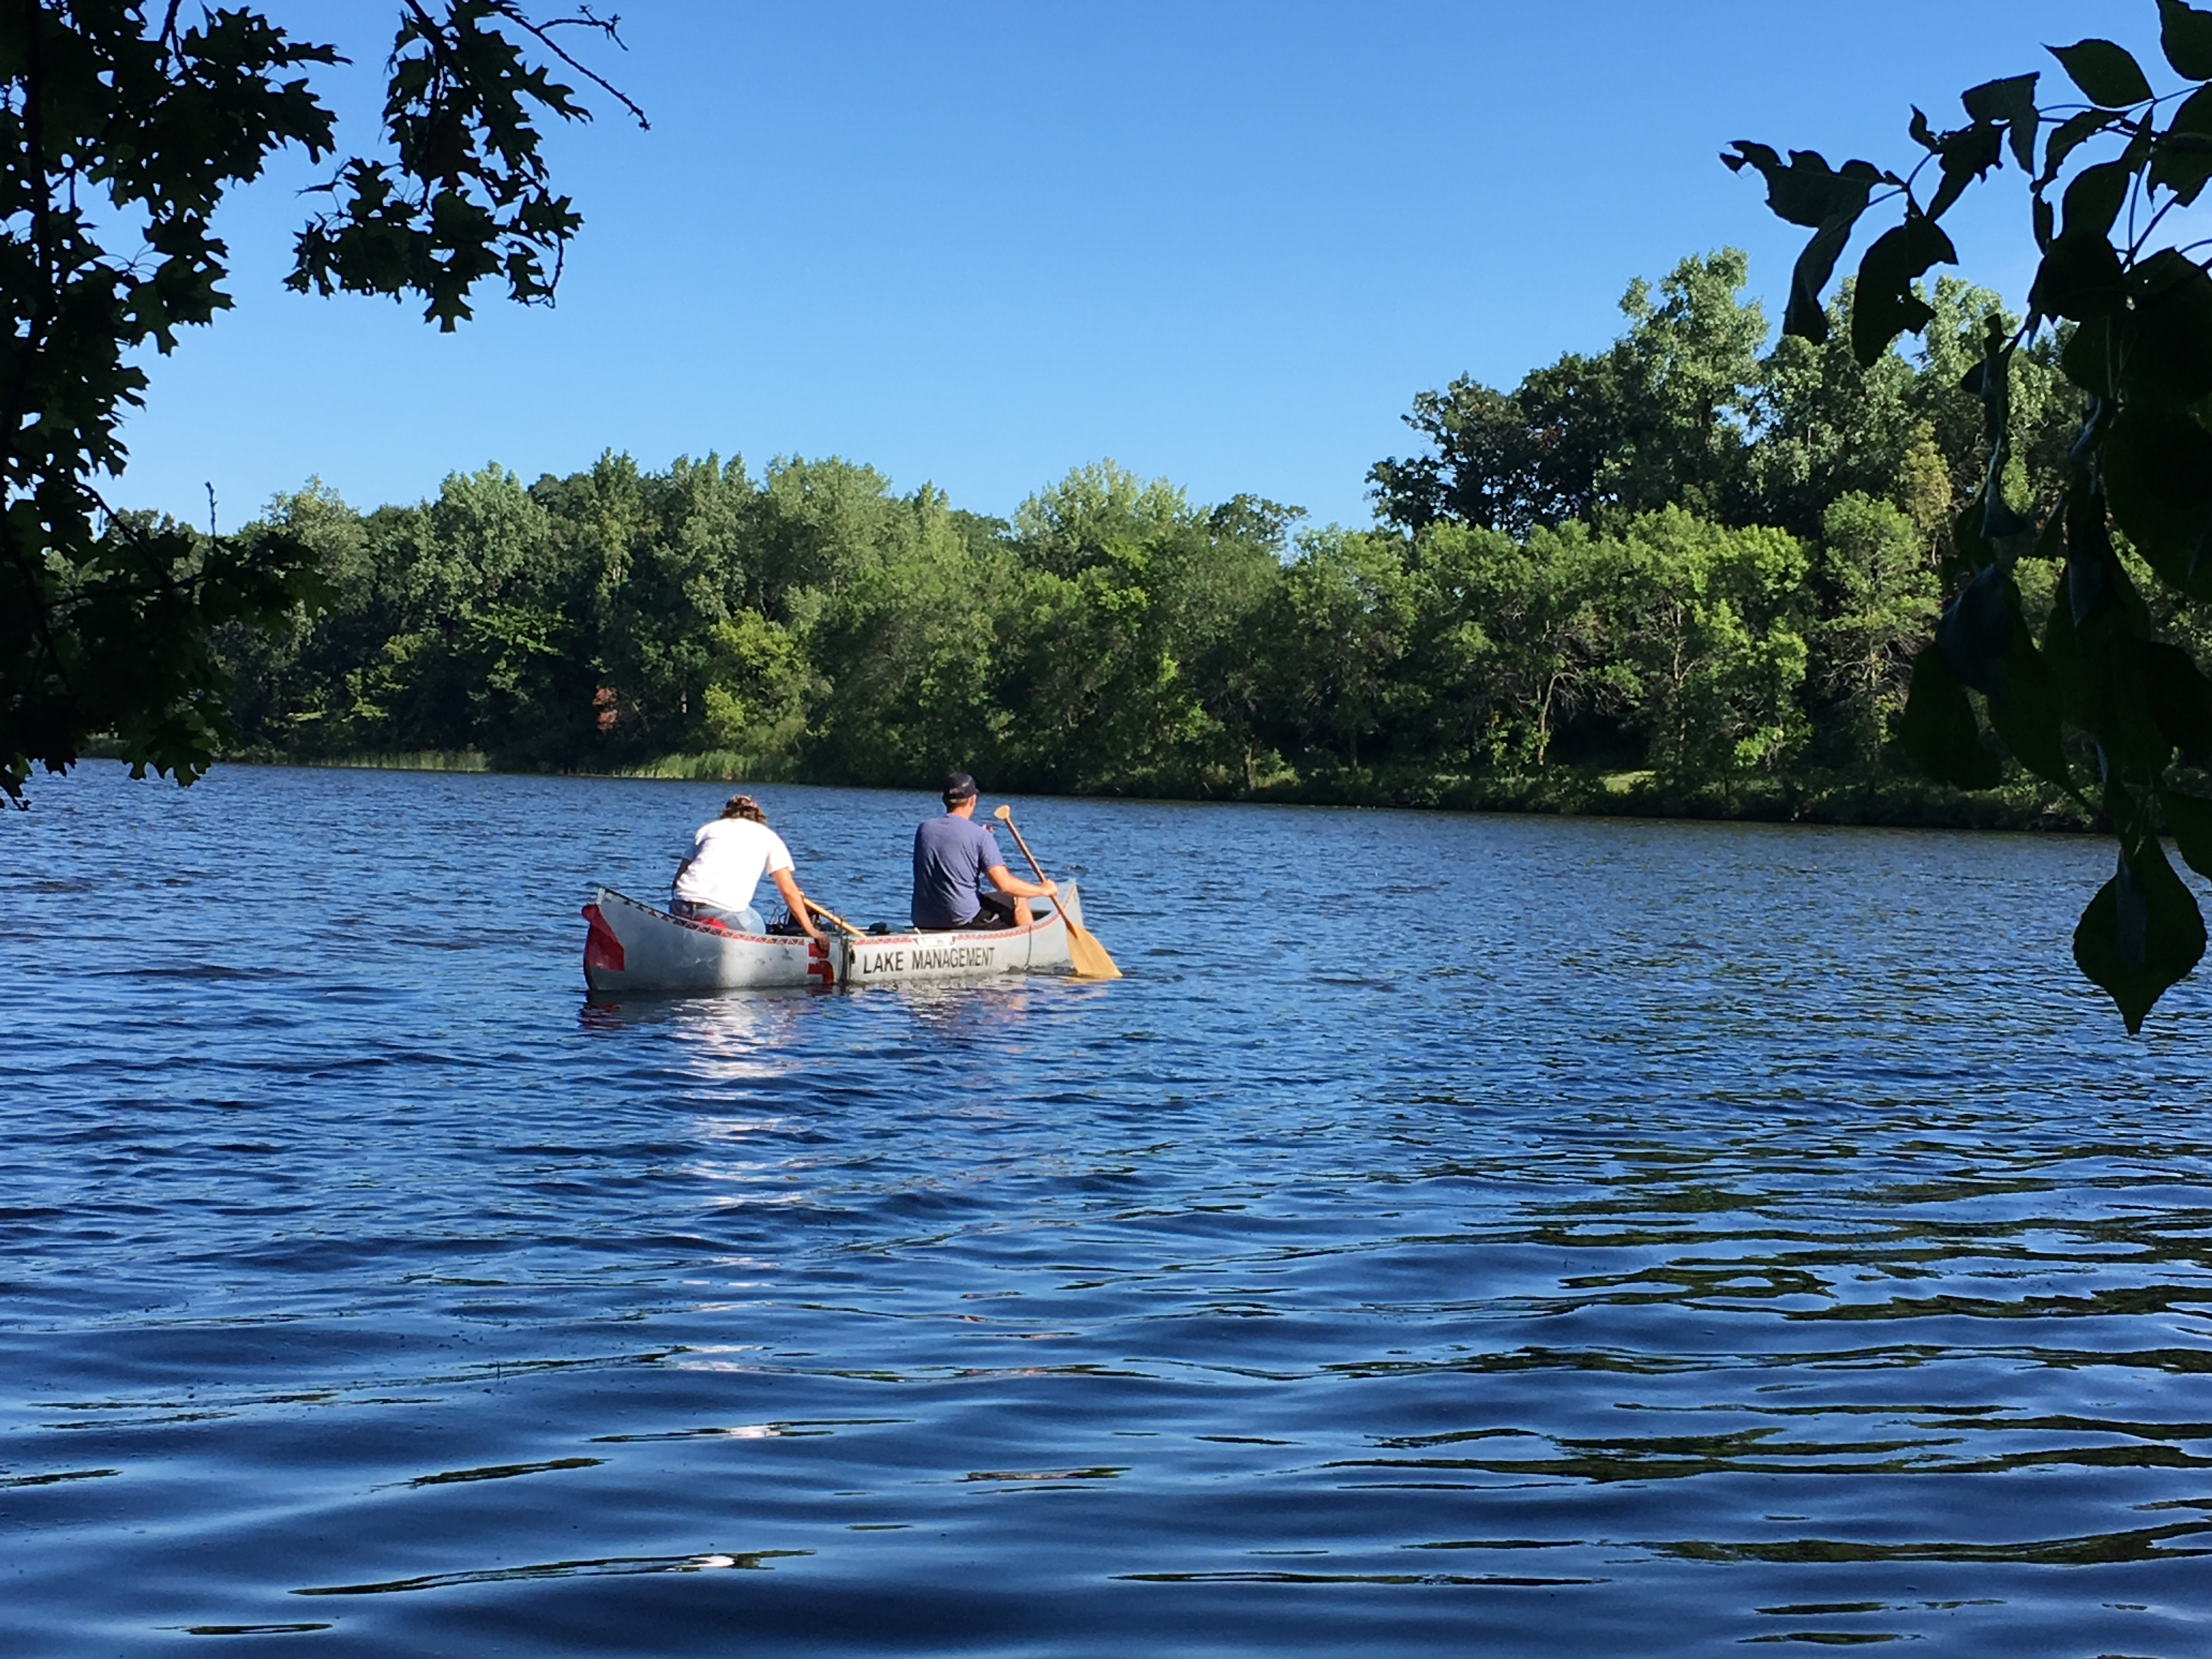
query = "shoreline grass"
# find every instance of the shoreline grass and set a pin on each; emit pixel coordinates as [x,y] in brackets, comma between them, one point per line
[1817,798]
[407,760]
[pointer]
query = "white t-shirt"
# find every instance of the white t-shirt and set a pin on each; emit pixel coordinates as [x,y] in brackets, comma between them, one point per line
[728,858]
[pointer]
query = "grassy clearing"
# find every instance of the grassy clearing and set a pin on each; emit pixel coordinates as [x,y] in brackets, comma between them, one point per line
[720,765]
[406,760]
[717,765]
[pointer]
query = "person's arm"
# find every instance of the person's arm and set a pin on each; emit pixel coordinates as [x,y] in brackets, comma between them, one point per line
[995,871]
[787,884]
[1014,887]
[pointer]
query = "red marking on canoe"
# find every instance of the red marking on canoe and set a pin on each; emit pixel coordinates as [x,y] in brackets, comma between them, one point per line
[602,950]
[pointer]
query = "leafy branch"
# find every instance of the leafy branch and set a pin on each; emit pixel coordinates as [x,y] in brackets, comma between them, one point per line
[2096,704]
[104,622]
[467,196]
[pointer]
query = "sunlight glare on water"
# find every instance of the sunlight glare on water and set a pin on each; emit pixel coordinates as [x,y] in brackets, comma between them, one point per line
[1533,1236]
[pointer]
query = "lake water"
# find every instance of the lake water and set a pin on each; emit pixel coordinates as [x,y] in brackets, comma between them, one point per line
[1455,1234]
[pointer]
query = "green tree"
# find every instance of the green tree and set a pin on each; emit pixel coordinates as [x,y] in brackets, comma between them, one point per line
[288,676]
[655,563]
[1224,600]
[489,658]
[915,654]
[1079,522]
[122,134]
[758,684]
[1660,419]
[1686,367]
[825,523]
[484,539]
[1344,614]
[1509,638]
[1876,563]
[1494,461]
[2043,410]
[1126,673]
[1715,644]
[1826,428]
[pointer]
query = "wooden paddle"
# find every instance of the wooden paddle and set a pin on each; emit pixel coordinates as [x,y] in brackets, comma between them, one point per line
[831,915]
[1087,955]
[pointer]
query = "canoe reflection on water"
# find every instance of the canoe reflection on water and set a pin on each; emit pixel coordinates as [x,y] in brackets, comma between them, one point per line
[738,1012]
[759,1083]
[949,1004]
[737,1034]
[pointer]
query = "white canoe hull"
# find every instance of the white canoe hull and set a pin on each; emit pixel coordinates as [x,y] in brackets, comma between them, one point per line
[633,947]
[911,958]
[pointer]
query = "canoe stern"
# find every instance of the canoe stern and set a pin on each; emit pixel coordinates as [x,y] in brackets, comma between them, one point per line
[635,947]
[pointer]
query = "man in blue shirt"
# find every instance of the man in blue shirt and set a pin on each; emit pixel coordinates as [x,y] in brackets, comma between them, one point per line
[952,856]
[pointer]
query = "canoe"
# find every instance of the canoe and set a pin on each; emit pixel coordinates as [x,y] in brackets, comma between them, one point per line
[635,947]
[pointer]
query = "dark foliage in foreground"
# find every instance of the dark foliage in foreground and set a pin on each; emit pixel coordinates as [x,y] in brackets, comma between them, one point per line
[2089,692]
[122,129]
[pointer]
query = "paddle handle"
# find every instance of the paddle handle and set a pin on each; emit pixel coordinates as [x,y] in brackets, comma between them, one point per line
[831,915]
[1036,869]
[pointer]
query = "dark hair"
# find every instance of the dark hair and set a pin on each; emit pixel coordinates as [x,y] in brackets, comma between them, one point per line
[744,806]
[959,787]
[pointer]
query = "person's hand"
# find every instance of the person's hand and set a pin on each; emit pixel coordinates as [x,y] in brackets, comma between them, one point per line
[1051,888]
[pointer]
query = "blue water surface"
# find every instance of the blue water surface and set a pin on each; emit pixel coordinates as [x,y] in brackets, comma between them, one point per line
[1455,1234]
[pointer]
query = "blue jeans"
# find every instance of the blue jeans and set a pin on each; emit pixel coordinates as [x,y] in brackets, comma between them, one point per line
[747,920]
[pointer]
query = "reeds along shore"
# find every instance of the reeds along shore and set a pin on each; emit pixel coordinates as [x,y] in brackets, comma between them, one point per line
[1562,791]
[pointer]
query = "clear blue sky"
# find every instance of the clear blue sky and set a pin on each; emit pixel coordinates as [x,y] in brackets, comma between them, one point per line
[978,244]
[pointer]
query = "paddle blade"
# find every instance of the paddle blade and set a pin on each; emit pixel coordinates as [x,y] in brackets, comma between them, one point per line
[1087,955]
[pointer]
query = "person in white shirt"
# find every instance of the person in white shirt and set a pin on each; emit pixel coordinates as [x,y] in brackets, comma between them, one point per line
[728,858]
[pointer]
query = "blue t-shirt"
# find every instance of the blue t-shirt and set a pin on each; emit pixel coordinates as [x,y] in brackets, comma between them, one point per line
[951,854]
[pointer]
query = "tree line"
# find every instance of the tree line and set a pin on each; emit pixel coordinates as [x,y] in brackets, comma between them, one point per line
[1691,558]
